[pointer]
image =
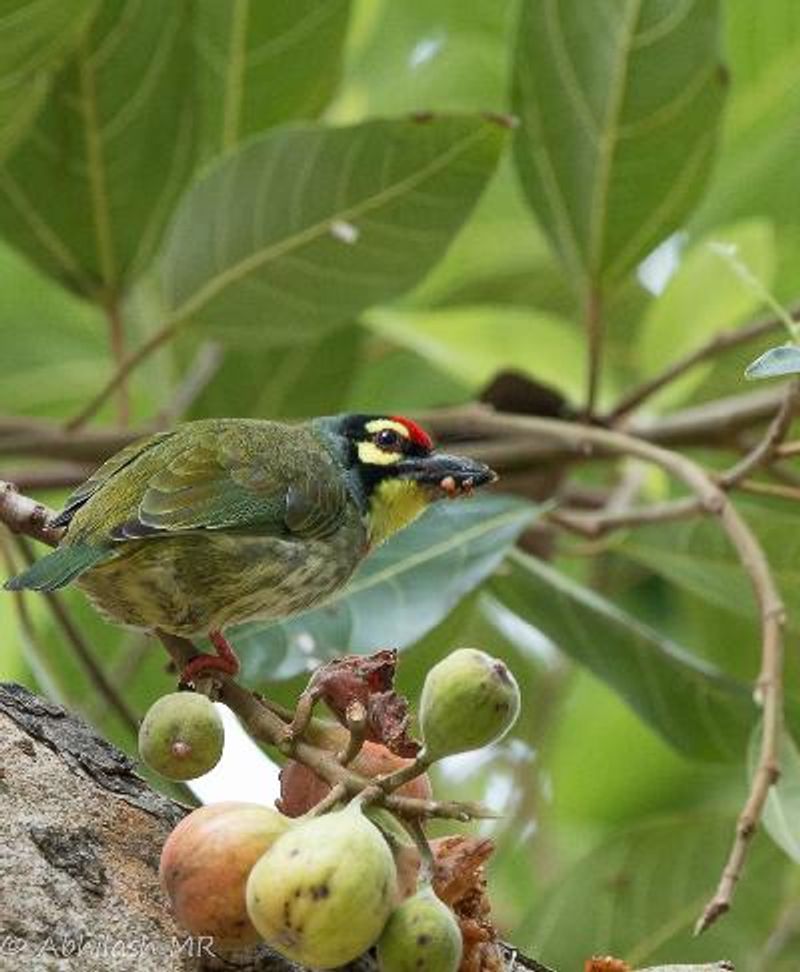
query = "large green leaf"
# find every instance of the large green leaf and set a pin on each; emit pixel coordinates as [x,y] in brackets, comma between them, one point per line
[306,226]
[265,61]
[64,346]
[412,55]
[695,708]
[755,175]
[403,589]
[87,194]
[640,892]
[697,556]
[705,295]
[619,102]
[476,342]
[34,37]
[286,382]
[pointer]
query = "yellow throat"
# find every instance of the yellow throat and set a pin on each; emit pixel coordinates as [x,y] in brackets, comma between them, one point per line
[394,504]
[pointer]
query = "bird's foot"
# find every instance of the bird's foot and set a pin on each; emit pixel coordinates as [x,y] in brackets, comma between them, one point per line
[205,665]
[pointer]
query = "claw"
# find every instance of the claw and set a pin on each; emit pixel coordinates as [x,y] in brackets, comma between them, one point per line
[204,665]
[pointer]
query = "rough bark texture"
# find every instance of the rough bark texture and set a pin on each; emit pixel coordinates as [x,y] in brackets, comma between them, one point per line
[80,840]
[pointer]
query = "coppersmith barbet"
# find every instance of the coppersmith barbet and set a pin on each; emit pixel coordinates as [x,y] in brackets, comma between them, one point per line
[222,521]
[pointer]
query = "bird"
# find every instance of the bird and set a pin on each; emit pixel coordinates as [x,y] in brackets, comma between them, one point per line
[221,521]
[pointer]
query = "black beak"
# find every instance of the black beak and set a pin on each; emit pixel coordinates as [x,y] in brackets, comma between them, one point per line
[451,474]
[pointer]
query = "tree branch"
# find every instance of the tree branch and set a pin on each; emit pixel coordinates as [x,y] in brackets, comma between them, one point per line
[711,498]
[719,342]
[596,524]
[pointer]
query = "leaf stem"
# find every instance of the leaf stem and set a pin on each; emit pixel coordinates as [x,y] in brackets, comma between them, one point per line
[117,339]
[593,319]
[157,340]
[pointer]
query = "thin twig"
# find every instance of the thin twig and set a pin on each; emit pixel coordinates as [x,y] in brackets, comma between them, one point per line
[356,716]
[721,341]
[426,856]
[335,795]
[765,450]
[596,524]
[97,677]
[788,449]
[778,490]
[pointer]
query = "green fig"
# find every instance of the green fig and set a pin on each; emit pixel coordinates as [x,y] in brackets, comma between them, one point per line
[181,737]
[469,700]
[422,935]
[322,893]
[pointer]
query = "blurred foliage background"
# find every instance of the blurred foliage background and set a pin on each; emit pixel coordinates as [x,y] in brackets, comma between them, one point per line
[295,208]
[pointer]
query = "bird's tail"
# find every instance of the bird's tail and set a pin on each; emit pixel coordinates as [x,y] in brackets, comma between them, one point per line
[58,568]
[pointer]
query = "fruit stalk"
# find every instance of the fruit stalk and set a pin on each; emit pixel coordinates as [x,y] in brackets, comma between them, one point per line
[265,726]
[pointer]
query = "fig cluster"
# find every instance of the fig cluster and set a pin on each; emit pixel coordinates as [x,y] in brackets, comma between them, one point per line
[322,886]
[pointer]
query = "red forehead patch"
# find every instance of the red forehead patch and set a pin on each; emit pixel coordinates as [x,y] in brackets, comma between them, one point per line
[416,433]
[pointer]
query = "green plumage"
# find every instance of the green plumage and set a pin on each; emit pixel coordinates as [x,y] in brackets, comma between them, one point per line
[58,568]
[224,520]
[216,522]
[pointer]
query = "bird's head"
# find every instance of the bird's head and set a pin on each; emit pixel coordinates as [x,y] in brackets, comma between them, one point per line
[398,472]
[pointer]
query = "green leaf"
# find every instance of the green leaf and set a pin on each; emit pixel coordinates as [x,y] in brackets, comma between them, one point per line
[287,382]
[639,893]
[704,296]
[693,706]
[697,556]
[755,172]
[403,589]
[391,379]
[474,343]
[305,227]
[85,197]
[781,816]
[783,360]
[264,62]
[64,348]
[451,56]
[34,38]
[619,102]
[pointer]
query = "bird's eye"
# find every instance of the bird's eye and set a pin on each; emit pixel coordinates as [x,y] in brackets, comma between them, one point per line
[387,439]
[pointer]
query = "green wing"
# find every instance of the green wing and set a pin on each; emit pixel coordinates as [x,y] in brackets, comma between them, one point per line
[260,479]
[100,476]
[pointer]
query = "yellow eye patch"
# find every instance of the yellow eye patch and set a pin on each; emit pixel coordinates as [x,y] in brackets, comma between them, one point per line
[371,454]
[379,424]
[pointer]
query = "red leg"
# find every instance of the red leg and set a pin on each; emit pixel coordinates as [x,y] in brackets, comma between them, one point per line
[225,660]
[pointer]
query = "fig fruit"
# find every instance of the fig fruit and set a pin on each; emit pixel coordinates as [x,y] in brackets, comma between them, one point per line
[182,736]
[302,789]
[469,700]
[323,892]
[422,935]
[206,861]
